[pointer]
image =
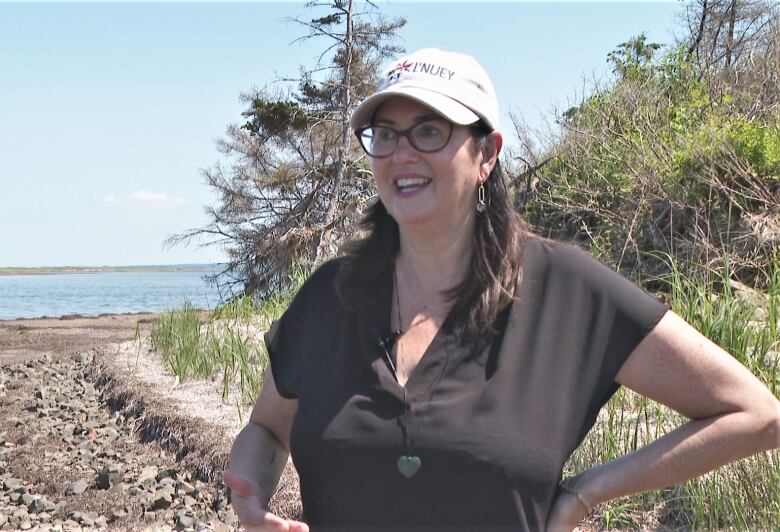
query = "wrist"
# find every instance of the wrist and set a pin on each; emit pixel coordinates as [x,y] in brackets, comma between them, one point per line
[571,486]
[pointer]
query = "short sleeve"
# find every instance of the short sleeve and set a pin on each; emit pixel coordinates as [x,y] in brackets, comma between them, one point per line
[621,315]
[289,339]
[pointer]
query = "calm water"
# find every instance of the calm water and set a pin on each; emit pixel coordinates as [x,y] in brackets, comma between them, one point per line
[90,294]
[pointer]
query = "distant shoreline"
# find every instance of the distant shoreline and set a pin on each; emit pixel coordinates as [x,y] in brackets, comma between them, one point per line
[178,268]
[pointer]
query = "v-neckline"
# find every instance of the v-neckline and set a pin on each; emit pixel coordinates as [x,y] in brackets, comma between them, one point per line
[376,323]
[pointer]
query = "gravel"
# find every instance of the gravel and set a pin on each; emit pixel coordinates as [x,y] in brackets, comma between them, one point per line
[68,462]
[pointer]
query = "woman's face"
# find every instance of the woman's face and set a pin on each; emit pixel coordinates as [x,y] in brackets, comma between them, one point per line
[425,188]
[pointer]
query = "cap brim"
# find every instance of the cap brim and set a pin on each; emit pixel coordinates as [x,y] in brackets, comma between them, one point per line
[450,109]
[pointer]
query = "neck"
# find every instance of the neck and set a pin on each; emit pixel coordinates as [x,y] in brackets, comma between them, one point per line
[433,260]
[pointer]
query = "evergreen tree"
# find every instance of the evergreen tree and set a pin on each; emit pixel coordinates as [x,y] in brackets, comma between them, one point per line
[294,182]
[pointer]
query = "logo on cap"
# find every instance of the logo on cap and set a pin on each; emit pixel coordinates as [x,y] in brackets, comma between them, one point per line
[396,72]
[424,68]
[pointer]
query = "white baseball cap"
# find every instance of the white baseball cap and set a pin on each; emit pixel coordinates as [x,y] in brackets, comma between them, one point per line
[452,84]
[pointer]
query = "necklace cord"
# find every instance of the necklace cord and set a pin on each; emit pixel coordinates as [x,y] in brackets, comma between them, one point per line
[410,436]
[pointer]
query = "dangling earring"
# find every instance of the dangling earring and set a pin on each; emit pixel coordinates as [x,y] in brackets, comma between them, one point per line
[481,199]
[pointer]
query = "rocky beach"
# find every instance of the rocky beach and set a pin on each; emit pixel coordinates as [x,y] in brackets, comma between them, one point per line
[95,435]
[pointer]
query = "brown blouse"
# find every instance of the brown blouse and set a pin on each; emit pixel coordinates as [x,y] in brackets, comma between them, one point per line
[492,420]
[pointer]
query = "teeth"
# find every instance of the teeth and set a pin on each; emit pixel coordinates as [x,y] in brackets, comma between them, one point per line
[412,182]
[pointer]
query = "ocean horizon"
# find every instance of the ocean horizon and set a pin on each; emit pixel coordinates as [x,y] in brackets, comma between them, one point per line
[91,291]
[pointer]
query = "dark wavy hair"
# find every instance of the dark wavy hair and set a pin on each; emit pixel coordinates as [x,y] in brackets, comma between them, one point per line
[496,264]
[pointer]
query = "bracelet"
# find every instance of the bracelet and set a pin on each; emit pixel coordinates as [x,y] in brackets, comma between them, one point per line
[567,485]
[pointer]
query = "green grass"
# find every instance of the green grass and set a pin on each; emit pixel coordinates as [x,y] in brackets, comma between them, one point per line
[744,495]
[225,345]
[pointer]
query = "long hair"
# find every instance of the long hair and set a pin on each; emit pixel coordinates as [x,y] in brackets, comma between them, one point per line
[496,265]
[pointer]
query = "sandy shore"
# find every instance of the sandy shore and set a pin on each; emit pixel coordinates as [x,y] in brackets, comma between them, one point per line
[25,339]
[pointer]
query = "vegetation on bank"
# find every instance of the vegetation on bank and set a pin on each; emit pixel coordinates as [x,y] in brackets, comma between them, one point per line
[225,345]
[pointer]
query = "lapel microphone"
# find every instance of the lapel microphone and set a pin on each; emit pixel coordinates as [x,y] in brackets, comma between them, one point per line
[386,343]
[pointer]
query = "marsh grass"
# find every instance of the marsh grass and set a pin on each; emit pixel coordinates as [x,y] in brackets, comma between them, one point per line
[744,495]
[225,345]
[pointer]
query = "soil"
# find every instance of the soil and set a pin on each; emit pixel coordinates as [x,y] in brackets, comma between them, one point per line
[27,339]
[65,419]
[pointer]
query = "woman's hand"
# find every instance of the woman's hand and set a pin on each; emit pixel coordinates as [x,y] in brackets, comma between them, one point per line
[567,512]
[247,499]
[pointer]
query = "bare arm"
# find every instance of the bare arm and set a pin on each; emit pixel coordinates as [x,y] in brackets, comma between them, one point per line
[258,457]
[733,415]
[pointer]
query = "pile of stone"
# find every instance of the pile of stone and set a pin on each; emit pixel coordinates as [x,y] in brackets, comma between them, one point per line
[67,462]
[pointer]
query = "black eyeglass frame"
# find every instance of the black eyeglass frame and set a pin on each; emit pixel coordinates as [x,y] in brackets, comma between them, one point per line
[403,133]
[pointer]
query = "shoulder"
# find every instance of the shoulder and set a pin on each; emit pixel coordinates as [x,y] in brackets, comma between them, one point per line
[569,268]
[559,257]
[319,287]
[325,274]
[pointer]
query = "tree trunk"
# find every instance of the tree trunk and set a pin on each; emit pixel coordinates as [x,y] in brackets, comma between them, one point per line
[699,34]
[343,150]
[730,37]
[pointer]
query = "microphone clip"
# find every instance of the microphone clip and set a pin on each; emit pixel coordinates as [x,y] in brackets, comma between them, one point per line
[387,342]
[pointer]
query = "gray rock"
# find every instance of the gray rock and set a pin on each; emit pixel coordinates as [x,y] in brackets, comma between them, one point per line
[42,393]
[185,487]
[70,525]
[184,522]
[76,487]
[110,433]
[84,358]
[166,473]
[11,484]
[85,454]
[168,484]
[3,520]
[148,475]
[162,499]
[189,502]
[109,476]
[82,518]
[27,500]
[39,505]
[101,522]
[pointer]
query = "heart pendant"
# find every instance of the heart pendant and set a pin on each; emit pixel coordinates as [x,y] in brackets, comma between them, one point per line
[409,465]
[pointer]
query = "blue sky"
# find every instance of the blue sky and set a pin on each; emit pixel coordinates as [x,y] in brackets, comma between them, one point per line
[108,111]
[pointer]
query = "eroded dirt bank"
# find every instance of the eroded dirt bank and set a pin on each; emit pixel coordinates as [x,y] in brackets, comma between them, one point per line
[71,453]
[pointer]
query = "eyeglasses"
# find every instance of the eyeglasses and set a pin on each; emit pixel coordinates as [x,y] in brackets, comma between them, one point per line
[426,137]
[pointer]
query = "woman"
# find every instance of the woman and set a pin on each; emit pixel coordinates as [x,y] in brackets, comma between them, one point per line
[438,376]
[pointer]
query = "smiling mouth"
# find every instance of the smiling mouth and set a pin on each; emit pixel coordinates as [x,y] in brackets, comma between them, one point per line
[410,184]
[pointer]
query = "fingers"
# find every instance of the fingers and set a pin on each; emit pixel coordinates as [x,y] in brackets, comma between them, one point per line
[297,526]
[247,501]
